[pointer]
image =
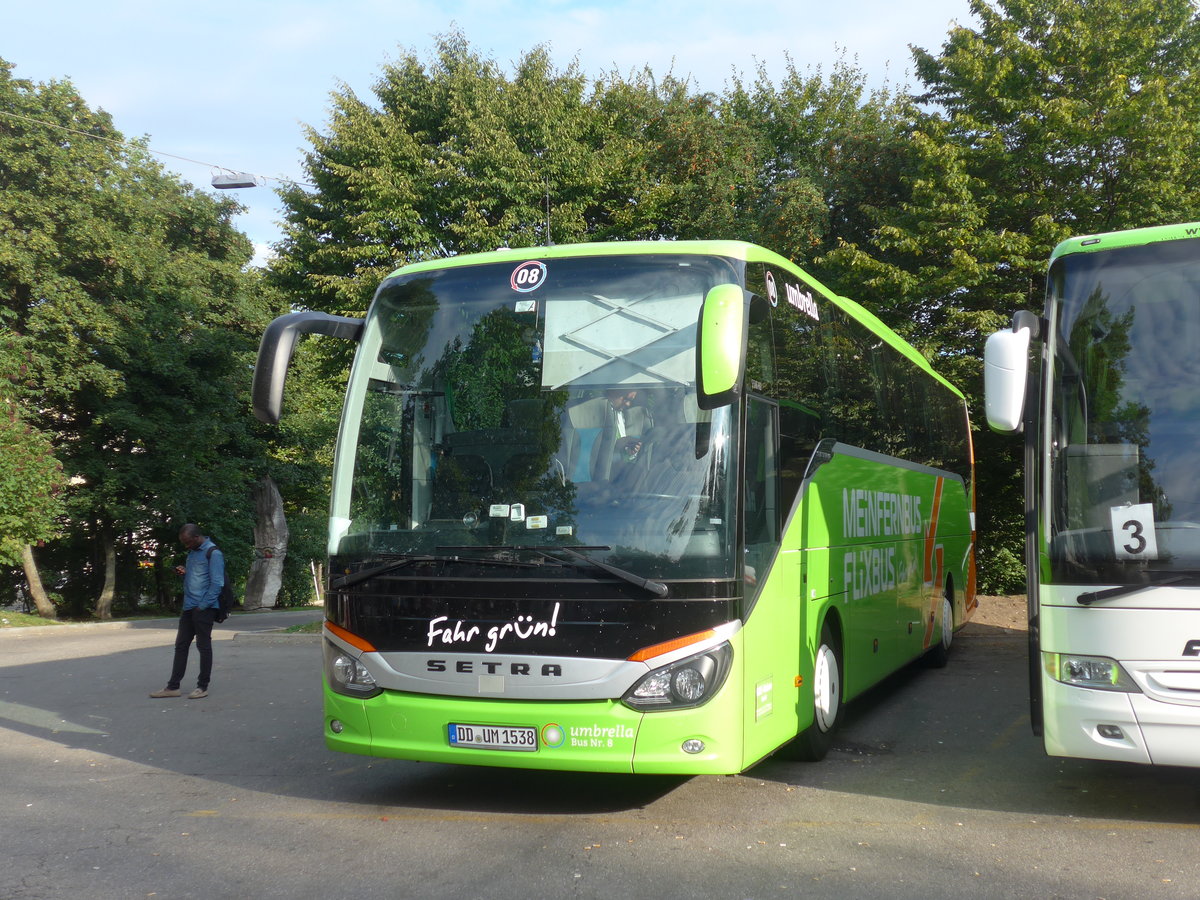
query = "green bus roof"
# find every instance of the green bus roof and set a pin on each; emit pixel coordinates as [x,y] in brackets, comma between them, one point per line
[1132,237]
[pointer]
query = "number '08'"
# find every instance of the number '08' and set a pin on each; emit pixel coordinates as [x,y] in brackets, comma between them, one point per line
[528,276]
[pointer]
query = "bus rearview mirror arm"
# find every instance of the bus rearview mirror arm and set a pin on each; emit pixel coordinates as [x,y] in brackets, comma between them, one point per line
[275,354]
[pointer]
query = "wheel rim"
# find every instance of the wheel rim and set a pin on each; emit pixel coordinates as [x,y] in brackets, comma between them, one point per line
[947,623]
[827,688]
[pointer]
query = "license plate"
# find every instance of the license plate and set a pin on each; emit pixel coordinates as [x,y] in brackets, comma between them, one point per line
[494,737]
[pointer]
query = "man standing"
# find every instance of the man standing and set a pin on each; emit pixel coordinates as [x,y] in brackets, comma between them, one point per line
[203,578]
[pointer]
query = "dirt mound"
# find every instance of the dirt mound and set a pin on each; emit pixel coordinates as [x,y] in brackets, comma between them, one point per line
[1001,612]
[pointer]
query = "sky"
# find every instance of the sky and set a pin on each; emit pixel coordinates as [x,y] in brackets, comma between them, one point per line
[231,86]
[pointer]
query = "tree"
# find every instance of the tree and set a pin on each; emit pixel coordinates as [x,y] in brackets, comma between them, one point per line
[126,292]
[31,480]
[1052,117]
[827,150]
[31,477]
[456,158]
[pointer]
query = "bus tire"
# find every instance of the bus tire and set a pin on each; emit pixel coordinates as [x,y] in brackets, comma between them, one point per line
[939,653]
[814,742]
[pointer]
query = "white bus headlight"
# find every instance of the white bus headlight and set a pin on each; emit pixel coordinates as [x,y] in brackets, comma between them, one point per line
[347,675]
[679,685]
[1096,672]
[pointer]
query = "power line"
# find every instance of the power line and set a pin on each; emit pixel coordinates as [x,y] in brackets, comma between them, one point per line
[125,144]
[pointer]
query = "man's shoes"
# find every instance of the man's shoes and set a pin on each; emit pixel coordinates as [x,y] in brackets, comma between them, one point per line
[165,692]
[197,694]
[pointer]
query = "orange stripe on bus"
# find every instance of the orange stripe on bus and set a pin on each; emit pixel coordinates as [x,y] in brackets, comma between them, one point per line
[931,534]
[932,552]
[350,637]
[667,646]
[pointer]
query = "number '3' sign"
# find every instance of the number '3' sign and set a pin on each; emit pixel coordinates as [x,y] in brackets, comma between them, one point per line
[1133,532]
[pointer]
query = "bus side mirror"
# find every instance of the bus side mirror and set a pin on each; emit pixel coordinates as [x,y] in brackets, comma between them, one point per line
[275,353]
[721,345]
[1005,374]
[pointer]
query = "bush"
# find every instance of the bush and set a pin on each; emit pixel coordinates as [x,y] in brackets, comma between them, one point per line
[1000,568]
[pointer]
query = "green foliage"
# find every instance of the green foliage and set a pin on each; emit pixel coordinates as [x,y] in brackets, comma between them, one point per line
[124,295]
[30,482]
[24,620]
[456,156]
[1050,119]
[128,301]
[1001,567]
[31,477]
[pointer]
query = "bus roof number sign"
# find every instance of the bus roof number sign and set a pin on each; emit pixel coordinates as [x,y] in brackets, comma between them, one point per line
[528,276]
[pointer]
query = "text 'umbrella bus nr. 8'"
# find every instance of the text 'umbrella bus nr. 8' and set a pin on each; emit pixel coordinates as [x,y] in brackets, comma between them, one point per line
[1110,410]
[653,507]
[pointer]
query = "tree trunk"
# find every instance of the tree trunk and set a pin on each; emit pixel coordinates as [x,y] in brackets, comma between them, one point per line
[45,608]
[105,602]
[270,544]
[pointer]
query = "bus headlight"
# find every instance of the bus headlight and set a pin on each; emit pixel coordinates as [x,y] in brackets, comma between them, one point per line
[347,675]
[1096,672]
[683,684]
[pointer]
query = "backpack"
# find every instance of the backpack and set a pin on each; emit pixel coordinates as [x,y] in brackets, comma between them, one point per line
[226,601]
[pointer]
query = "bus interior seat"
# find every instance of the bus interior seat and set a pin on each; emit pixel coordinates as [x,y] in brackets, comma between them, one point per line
[583,423]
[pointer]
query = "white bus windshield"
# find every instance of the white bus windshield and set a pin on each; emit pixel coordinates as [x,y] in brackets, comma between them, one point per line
[538,405]
[1125,414]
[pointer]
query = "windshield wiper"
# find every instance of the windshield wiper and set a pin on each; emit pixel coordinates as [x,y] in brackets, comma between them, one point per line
[1090,597]
[657,588]
[367,574]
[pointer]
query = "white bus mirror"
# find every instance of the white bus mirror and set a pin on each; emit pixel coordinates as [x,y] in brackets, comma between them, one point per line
[1005,374]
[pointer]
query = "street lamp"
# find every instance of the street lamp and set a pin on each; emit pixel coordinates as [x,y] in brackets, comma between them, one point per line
[225,180]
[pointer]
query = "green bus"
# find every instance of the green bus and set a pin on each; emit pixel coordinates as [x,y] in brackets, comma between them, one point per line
[645,507]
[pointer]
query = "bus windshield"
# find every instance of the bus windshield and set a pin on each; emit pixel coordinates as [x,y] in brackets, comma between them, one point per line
[538,405]
[1125,414]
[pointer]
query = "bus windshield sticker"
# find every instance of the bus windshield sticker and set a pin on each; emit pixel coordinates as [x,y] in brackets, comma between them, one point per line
[772,289]
[802,300]
[528,276]
[1133,531]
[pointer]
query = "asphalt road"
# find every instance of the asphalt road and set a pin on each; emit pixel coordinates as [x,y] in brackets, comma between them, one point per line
[935,789]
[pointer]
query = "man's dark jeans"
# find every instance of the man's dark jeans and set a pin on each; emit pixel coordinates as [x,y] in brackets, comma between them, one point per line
[198,624]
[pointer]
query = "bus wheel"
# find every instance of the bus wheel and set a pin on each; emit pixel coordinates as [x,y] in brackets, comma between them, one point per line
[939,653]
[814,742]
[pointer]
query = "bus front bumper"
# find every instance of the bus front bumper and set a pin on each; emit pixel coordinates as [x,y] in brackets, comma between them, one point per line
[1123,727]
[582,736]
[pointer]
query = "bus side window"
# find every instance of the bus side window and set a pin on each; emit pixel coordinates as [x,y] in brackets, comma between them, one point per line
[761,490]
[799,433]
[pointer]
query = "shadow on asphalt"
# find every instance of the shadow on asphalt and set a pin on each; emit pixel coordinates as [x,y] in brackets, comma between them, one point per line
[954,737]
[960,737]
[260,729]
